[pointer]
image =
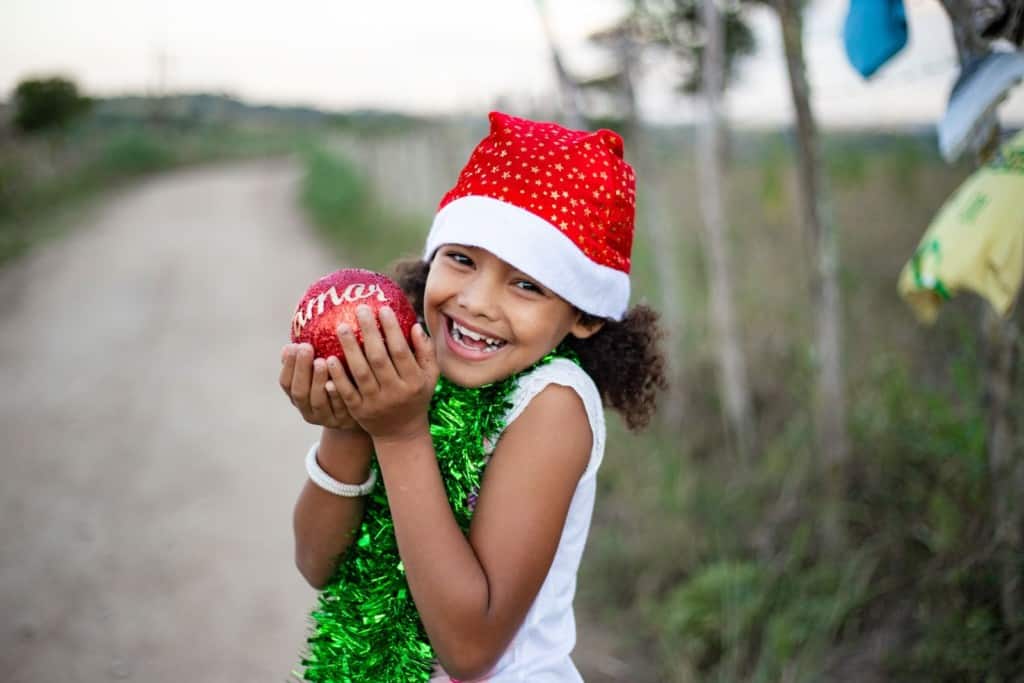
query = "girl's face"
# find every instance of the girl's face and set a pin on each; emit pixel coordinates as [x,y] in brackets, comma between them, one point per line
[489,320]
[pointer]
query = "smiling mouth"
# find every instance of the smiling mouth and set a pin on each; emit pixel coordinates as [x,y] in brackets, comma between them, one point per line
[473,340]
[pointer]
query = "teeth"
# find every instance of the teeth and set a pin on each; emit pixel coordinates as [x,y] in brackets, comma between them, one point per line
[463,332]
[458,332]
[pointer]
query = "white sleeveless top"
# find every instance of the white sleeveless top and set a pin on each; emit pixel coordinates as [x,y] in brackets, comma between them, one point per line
[539,652]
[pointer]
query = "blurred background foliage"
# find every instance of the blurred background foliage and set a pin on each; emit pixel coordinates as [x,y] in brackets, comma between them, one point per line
[56,153]
[700,566]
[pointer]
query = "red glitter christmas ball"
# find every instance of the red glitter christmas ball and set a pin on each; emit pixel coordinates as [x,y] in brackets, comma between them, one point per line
[333,300]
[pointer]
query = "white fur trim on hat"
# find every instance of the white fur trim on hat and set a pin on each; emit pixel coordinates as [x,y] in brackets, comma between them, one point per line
[531,244]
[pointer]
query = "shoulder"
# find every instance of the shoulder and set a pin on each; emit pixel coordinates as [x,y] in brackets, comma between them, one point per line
[558,397]
[551,421]
[568,379]
[556,414]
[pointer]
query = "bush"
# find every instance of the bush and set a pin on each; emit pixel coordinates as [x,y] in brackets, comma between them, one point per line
[44,104]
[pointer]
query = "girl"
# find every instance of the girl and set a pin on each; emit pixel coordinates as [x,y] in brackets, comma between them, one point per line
[524,286]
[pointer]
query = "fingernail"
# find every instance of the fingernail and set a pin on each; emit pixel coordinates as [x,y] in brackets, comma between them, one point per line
[318,363]
[387,311]
[332,361]
[344,328]
[363,309]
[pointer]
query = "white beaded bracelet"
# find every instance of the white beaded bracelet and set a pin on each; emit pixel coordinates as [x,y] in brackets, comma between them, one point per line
[332,485]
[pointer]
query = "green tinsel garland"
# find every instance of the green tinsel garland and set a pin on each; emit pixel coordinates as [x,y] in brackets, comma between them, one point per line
[366,627]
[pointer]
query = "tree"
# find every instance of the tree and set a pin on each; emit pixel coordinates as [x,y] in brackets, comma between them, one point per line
[684,27]
[677,30]
[568,87]
[732,364]
[1002,358]
[830,393]
[48,103]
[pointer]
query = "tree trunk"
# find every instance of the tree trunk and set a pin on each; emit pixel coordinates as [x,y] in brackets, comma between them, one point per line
[567,86]
[830,410]
[656,222]
[1001,336]
[1005,467]
[732,367]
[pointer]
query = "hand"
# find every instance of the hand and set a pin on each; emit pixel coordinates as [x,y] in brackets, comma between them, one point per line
[311,386]
[391,383]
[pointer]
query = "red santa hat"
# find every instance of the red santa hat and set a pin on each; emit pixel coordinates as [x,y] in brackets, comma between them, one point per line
[555,203]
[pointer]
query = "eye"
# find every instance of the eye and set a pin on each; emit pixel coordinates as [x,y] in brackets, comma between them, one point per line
[528,286]
[459,258]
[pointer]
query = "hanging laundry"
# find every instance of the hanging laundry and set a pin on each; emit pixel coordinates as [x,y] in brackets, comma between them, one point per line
[874,31]
[981,87]
[976,242]
[998,19]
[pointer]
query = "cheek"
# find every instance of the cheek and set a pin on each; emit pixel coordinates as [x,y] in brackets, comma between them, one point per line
[542,325]
[565,321]
[431,293]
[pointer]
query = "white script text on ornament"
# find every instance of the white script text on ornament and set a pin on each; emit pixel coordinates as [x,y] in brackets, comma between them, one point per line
[351,294]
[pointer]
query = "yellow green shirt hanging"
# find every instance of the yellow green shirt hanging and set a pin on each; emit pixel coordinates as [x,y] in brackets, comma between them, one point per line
[976,242]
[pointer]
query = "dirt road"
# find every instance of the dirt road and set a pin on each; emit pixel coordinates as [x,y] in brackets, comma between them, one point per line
[148,462]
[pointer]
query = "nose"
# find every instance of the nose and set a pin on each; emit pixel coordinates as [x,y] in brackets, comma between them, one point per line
[478,296]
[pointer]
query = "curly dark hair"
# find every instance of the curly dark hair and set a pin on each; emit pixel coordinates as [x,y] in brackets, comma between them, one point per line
[624,357]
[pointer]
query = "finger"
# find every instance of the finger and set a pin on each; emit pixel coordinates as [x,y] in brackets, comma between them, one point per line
[423,346]
[287,368]
[363,376]
[334,400]
[398,347]
[342,384]
[317,394]
[303,376]
[373,346]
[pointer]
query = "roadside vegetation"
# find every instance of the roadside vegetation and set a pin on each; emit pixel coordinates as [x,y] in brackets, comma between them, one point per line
[59,149]
[351,217]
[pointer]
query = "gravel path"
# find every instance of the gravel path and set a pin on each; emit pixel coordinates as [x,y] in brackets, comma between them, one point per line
[149,461]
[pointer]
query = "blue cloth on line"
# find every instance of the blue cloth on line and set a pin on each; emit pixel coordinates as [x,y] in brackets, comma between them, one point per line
[875,30]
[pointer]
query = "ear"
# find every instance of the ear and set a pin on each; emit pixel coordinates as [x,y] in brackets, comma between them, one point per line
[585,326]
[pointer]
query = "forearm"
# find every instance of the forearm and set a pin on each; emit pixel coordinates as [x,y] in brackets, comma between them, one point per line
[447,581]
[324,524]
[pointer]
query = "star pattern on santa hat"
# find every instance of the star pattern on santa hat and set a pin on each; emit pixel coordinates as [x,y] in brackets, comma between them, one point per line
[577,181]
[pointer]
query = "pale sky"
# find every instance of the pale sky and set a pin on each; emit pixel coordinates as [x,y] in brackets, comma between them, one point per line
[440,56]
